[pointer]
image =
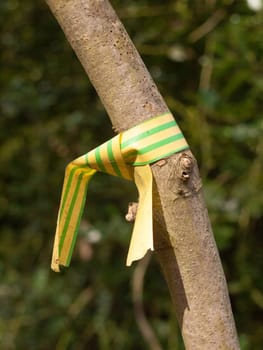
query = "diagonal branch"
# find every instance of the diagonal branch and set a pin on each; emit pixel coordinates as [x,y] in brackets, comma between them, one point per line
[183,236]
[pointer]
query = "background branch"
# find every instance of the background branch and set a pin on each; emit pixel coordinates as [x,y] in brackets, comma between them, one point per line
[137,296]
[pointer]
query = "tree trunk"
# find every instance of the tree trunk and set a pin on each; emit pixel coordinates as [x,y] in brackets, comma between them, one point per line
[183,237]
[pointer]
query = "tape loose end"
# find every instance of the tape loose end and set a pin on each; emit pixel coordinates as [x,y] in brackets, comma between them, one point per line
[130,260]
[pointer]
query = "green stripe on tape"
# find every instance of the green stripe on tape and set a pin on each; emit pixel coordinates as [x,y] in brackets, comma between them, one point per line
[77,225]
[98,160]
[162,156]
[71,208]
[112,159]
[72,172]
[147,133]
[161,143]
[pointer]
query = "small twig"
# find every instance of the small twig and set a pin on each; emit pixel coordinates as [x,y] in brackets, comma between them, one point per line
[207,66]
[186,166]
[207,26]
[132,211]
[137,296]
[80,302]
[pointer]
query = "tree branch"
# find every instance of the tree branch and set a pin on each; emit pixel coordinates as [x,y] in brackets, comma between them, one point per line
[183,237]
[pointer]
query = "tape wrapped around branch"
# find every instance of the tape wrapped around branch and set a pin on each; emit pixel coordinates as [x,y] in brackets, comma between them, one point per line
[126,155]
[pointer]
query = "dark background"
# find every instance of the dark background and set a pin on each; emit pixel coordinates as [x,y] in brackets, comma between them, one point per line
[206,58]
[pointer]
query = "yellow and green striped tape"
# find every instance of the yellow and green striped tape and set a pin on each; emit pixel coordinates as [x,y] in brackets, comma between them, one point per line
[126,155]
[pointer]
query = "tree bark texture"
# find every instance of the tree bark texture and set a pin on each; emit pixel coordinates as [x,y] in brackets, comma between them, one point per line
[183,237]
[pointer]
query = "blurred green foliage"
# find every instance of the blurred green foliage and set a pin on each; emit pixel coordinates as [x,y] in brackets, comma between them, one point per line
[206,57]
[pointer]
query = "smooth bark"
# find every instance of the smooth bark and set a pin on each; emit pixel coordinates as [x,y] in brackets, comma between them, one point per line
[183,236]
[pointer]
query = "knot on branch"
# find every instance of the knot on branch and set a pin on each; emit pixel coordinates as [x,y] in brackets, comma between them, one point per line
[183,178]
[132,211]
[185,166]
